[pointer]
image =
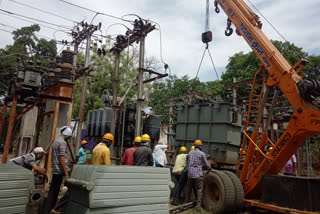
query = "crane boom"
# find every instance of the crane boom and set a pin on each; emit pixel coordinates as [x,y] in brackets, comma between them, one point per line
[305,120]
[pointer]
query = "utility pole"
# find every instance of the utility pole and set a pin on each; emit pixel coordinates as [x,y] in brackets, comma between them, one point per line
[140,88]
[115,92]
[86,33]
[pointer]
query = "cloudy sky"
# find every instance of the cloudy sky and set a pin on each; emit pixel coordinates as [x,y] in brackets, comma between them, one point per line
[182,22]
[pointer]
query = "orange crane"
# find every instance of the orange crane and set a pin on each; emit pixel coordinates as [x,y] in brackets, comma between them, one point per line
[304,122]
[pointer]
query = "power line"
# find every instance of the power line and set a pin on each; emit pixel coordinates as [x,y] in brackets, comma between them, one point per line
[93,11]
[38,20]
[5,30]
[53,14]
[267,21]
[46,26]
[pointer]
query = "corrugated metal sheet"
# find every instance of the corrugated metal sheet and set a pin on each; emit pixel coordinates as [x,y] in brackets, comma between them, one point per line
[121,186]
[16,184]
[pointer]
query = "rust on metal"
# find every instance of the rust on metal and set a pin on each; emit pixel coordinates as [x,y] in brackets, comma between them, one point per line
[10,127]
[255,203]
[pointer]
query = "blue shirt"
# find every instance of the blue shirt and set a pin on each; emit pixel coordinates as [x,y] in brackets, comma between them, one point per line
[82,156]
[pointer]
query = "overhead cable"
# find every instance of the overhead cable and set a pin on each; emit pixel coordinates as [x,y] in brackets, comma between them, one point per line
[38,20]
[35,8]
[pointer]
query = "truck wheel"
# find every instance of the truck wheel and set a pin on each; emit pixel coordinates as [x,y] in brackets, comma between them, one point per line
[239,195]
[218,192]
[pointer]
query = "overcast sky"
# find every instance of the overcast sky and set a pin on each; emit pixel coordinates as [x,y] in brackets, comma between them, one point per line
[182,22]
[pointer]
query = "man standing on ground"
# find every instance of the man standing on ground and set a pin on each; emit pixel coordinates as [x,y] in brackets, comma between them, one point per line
[101,153]
[127,158]
[29,161]
[59,164]
[195,174]
[142,156]
[82,156]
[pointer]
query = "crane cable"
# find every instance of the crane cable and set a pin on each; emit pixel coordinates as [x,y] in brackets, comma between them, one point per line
[206,29]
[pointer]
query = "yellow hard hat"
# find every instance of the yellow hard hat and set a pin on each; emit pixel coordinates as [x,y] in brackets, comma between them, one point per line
[108,136]
[192,148]
[240,149]
[270,148]
[183,149]
[197,143]
[83,142]
[145,137]
[137,139]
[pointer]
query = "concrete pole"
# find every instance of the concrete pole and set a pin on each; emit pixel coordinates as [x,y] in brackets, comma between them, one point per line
[115,93]
[140,88]
[234,92]
[10,127]
[83,94]
[75,57]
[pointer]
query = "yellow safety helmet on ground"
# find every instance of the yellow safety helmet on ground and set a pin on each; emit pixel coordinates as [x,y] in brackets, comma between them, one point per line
[137,139]
[192,148]
[197,143]
[183,149]
[108,136]
[270,148]
[83,142]
[145,137]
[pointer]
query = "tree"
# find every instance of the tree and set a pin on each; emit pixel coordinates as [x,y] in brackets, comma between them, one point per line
[26,46]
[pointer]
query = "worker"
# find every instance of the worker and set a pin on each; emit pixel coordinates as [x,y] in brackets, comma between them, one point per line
[81,156]
[180,163]
[101,153]
[182,180]
[290,168]
[29,161]
[142,156]
[195,174]
[160,154]
[127,158]
[59,165]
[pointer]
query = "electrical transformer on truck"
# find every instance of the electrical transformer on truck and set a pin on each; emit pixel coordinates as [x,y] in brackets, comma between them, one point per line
[225,191]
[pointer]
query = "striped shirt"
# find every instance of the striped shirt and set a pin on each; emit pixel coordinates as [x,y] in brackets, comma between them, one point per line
[25,161]
[59,149]
[196,159]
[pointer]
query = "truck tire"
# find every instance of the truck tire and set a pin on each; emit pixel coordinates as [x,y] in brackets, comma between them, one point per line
[239,195]
[218,193]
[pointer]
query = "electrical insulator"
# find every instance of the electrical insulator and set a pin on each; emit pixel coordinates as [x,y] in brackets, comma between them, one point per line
[99,51]
[104,52]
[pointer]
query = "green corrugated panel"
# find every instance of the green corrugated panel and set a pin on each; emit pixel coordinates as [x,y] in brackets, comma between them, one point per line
[75,208]
[16,184]
[117,186]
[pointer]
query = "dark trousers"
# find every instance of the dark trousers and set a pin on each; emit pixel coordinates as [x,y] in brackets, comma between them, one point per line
[53,192]
[196,184]
[181,183]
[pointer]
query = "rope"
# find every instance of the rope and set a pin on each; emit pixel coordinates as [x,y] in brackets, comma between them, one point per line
[201,62]
[214,67]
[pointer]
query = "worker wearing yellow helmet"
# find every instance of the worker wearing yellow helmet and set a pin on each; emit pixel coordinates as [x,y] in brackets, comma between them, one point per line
[81,155]
[142,156]
[101,153]
[127,158]
[180,163]
[196,159]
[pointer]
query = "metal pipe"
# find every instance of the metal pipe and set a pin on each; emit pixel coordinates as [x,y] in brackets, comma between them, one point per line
[3,117]
[10,127]
[140,88]
[115,93]
[83,93]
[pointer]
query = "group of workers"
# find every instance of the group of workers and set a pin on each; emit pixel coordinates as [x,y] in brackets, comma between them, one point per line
[188,170]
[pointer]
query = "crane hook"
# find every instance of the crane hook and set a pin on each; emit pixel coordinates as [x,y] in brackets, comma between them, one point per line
[217,8]
[228,31]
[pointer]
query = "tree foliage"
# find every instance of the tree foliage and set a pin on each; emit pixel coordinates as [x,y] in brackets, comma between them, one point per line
[26,46]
